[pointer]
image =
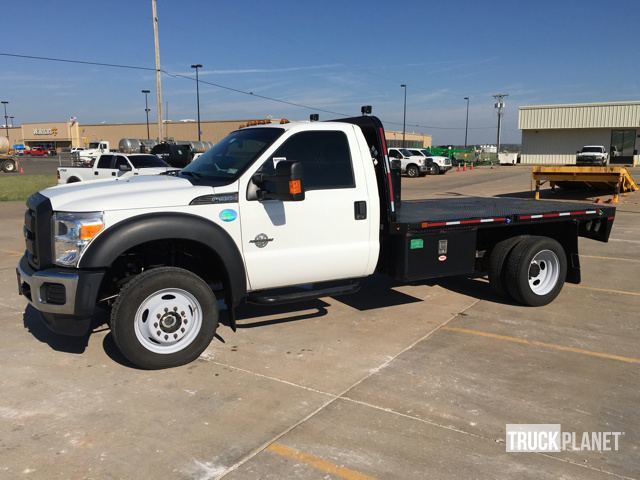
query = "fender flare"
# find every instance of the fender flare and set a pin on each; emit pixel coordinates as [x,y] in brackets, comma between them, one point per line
[124,235]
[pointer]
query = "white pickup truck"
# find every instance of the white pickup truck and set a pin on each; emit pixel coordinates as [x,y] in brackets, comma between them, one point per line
[116,165]
[443,163]
[592,155]
[275,214]
[412,165]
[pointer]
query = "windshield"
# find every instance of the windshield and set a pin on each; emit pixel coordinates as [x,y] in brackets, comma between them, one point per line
[591,150]
[232,155]
[405,152]
[147,161]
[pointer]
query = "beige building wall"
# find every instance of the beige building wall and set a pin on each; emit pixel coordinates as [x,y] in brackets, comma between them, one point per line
[559,147]
[212,131]
[426,140]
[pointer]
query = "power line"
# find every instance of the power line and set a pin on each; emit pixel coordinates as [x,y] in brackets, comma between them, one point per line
[224,87]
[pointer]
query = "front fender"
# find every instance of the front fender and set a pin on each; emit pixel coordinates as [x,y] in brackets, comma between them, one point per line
[123,236]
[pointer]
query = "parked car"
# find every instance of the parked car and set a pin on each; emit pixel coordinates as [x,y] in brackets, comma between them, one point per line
[37,152]
[592,155]
[410,164]
[443,163]
[115,166]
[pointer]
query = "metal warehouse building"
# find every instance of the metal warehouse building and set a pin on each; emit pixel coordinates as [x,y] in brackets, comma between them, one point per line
[551,134]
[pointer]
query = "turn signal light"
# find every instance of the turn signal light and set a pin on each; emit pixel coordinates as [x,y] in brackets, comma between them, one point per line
[295,187]
[87,232]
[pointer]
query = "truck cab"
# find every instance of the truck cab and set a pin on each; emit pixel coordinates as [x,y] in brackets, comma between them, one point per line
[592,155]
[94,150]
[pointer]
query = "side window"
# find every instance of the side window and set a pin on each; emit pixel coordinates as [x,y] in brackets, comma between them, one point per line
[325,158]
[120,161]
[394,154]
[105,161]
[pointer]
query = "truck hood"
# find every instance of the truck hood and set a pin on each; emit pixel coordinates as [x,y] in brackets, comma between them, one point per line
[591,154]
[124,194]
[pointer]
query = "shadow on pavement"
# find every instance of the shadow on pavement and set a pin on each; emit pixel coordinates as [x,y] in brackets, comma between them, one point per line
[60,343]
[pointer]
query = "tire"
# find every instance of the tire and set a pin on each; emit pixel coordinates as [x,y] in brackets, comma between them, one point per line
[441,171]
[497,260]
[9,166]
[550,271]
[434,170]
[191,317]
[413,171]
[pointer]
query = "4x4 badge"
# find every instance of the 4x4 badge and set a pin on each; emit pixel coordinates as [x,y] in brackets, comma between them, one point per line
[261,240]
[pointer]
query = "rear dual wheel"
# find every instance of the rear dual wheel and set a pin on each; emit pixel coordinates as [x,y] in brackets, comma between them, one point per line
[531,270]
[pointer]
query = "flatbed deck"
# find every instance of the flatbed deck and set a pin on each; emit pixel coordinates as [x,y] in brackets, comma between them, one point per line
[445,212]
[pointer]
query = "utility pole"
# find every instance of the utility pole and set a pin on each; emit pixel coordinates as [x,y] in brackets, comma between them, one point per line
[11,118]
[197,66]
[6,118]
[499,106]
[466,125]
[404,116]
[156,44]
[146,109]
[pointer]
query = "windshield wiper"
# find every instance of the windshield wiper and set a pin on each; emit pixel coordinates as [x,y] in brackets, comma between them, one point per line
[193,174]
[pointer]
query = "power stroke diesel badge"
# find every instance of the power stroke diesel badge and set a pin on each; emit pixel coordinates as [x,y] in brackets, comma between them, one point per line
[261,240]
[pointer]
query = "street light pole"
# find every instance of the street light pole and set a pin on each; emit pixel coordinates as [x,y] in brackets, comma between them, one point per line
[466,125]
[146,110]
[197,66]
[6,118]
[404,116]
[499,105]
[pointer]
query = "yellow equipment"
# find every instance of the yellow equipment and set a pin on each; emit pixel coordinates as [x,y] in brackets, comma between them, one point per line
[617,178]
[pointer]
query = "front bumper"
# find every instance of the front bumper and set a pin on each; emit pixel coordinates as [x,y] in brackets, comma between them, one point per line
[590,161]
[66,298]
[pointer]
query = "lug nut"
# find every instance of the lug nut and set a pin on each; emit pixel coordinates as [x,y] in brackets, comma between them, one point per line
[175,309]
[182,313]
[158,316]
[155,324]
[166,310]
[166,337]
[182,329]
[159,332]
[175,335]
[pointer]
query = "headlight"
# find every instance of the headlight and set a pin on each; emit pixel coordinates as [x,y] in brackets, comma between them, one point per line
[72,232]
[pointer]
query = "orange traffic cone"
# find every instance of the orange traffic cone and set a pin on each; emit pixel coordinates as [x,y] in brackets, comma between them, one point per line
[471,166]
[458,168]
[21,170]
[464,168]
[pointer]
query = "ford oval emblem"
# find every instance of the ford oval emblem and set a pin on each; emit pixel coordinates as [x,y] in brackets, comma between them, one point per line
[228,215]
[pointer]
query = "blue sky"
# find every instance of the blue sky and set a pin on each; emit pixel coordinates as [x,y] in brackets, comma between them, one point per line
[335,55]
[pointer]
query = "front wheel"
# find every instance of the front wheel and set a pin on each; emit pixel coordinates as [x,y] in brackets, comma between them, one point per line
[535,271]
[412,171]
[164,317]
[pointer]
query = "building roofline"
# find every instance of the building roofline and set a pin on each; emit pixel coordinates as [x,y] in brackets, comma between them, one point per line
[568,105]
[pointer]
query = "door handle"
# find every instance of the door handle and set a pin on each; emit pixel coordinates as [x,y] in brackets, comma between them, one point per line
[96,173]
[360,210]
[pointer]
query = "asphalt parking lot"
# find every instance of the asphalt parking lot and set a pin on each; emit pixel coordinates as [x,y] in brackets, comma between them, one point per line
[408,382]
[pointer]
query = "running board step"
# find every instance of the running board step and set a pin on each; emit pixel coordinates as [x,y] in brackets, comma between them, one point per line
[299,294]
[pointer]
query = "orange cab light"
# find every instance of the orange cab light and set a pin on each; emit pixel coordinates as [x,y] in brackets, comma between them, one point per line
[295,187]
[87,232]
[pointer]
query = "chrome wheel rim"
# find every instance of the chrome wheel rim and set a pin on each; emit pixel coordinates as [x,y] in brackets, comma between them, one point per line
[544,272]
[168,320]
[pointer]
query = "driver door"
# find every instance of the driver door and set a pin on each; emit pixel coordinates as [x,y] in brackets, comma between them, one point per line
[321,237]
